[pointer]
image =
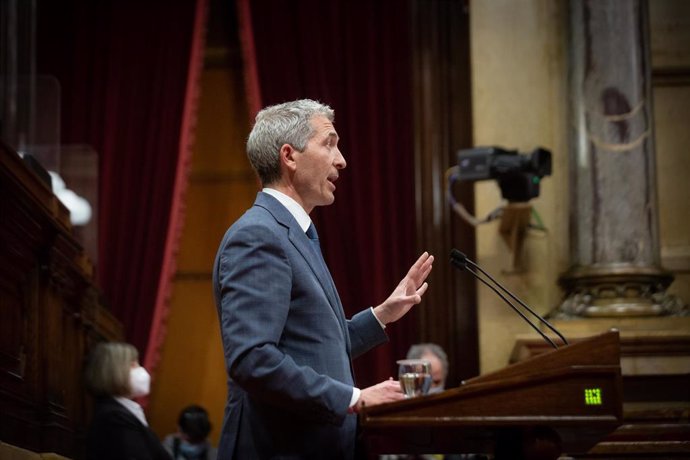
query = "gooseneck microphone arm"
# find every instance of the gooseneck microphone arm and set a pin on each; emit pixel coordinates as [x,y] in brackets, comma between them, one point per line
[534,326]
[460,261]
[539,317]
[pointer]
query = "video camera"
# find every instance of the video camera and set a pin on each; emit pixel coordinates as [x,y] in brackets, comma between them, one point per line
[518,175]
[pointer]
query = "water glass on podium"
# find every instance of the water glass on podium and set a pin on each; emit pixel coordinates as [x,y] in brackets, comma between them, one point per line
[414,376]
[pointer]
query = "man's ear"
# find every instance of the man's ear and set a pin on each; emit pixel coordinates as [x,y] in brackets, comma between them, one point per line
[287,157]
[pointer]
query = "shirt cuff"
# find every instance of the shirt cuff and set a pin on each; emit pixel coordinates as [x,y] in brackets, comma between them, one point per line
[383,326]
[355,396]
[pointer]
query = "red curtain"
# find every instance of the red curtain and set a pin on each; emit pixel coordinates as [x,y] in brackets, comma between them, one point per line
[124,70]
[354,56]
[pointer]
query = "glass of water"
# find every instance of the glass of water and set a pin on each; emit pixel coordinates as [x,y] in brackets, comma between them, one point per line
[414,376]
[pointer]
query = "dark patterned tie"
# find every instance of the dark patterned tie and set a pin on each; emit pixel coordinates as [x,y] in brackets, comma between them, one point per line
[339,313]
[314,240]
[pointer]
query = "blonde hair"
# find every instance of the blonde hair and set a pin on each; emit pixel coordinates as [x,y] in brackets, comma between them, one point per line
[108,367]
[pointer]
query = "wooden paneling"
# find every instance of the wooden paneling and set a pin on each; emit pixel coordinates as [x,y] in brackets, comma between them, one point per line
[442,105]
[50,316]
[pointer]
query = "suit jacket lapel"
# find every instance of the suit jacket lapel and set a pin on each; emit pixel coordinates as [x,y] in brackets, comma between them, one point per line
[301,242]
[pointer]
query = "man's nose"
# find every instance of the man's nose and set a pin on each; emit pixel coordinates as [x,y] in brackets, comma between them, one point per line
[340,162]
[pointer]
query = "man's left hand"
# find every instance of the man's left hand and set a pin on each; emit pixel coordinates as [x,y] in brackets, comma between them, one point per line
[408,292]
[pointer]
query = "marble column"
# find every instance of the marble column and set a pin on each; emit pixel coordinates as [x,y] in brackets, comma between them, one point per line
[614,254]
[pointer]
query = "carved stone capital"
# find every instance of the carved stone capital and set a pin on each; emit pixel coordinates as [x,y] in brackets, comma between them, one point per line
[618,291]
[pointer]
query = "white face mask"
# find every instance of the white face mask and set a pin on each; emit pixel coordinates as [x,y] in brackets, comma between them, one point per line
[139,381]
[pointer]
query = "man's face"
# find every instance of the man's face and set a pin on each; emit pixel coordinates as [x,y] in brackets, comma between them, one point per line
[318,166]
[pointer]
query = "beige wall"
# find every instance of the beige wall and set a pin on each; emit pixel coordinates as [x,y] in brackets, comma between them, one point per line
[519,100]
[222,186]
[519,80]
[670,47]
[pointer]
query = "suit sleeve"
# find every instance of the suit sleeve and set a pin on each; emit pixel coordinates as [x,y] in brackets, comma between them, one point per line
[255,289]
[365,332]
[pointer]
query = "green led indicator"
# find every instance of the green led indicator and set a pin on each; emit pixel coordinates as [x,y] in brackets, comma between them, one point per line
[593,396]
[535,180]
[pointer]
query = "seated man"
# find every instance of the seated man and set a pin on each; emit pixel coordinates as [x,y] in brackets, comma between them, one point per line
[439,363]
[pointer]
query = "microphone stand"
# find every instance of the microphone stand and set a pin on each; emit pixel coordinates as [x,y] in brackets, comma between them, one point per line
[460,261]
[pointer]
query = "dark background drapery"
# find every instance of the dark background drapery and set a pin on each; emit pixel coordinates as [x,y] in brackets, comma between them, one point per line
[123,67]
[354,56]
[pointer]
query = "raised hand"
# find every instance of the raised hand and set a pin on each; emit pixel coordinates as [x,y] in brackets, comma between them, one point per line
[408,292]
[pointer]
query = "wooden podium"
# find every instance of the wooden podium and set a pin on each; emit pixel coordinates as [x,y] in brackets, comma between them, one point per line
[562,401]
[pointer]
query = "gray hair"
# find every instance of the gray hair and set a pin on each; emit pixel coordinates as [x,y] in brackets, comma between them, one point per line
[421,349]
[108,367]
[276,125]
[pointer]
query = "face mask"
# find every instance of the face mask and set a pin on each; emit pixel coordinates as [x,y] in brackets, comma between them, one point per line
[139,381]
[192,450]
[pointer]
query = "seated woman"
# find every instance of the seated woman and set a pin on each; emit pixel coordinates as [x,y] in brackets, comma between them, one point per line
[119,429]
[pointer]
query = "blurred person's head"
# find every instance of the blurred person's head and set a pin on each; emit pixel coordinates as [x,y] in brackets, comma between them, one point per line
[439,363]
[113,370]
[194,424]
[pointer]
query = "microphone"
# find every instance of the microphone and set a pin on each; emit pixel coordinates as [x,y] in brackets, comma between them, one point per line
[460,261]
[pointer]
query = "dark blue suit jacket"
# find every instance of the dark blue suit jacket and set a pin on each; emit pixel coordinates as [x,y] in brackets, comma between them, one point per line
[287,344]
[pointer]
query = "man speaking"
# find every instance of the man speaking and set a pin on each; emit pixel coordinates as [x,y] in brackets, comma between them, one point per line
[288,346]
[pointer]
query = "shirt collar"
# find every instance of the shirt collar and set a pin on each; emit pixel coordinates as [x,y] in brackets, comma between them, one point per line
[292,206]
[134,408]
